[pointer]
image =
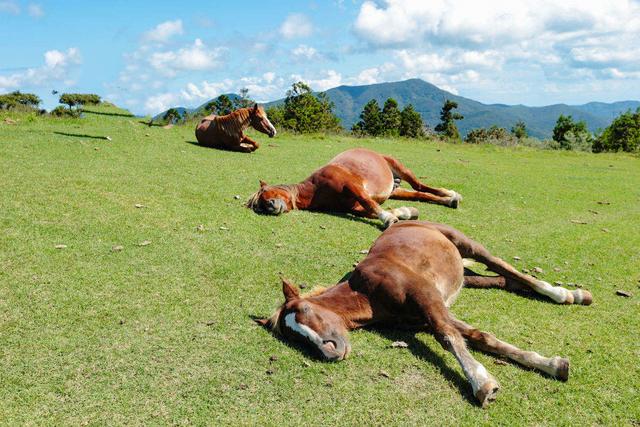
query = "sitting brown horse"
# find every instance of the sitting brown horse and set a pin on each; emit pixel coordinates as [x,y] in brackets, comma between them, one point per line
[355,181]
[411,276]
[227,132]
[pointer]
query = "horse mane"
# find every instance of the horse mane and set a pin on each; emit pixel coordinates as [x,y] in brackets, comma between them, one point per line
[234,123]
[291,189]
[273,323]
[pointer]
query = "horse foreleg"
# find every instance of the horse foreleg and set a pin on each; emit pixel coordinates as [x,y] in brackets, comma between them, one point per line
[406,174]
[246,140]
[429,302]
[469,248]
[370,208]
[484,341]
[417,196]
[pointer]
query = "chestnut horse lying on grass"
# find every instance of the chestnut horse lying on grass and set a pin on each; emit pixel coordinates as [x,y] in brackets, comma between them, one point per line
[413,273]
[227,132]
[355,181]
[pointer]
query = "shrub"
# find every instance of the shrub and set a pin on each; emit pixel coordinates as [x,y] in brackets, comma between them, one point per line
[61,111]
[492,135]
[571,135]
[623,134]
[519,130]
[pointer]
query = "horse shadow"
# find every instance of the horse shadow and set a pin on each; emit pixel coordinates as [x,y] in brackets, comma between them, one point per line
[418,348]
[80,135]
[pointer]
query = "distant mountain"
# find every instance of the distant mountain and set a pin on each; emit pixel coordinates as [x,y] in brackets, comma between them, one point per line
[427,99]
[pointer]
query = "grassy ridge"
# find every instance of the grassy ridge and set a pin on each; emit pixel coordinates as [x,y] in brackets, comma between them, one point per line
[162,333]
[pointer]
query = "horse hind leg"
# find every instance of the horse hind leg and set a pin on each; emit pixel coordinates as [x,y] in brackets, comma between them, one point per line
[468,248]
[401,171]
[555,366]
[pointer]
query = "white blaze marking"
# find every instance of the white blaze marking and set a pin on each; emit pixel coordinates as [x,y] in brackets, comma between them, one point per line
[271,126]
[304,330]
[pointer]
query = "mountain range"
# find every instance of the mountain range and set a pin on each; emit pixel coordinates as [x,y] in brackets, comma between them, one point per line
[427,99]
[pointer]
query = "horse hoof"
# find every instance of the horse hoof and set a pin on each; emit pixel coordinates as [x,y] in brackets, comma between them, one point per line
[582,297]
[562,368]
[455,201]
[390,221]
[487,393]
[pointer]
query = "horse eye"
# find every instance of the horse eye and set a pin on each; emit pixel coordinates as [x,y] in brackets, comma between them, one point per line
[306,309]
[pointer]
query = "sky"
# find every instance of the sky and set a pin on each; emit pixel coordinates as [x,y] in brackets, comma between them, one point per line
[147,56]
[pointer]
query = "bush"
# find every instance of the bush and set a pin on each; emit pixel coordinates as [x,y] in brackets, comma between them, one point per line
[571,135]
[494,135]
[519,130]
[18,99]
[623,134]
[61,111]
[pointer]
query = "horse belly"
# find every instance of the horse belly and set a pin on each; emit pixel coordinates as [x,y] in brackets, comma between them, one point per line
[371,168]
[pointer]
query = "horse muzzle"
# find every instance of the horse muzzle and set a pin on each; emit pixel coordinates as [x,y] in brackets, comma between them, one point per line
[335,349]
[275,207]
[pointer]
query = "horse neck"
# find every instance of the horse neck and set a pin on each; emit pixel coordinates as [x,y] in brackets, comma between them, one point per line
[302,193]
[352,306]
[236,122]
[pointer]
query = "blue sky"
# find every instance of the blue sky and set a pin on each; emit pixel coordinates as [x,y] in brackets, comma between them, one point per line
[147,56]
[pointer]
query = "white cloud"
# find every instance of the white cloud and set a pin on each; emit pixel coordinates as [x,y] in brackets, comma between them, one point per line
[56,69]
[9,7]
[35,10]
[331,79]
[305,52]
[164,31]
[296,25]
[197,57]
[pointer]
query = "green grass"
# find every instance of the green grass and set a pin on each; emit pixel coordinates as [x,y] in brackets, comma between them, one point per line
[162,334]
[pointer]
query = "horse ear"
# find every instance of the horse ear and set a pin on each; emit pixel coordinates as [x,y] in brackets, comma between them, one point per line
[255,107]
[263,322]
[289,290]
[262,184]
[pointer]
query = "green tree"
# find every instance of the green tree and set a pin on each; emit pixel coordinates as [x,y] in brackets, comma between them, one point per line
[306,112]
[411,124]
[370,119]
[448,117]
[391,118]
[223,105]
[17,98]
[571,135]
[171,115]
[623,134]
[79,99]
[243,101]
[519,130]
[276,115]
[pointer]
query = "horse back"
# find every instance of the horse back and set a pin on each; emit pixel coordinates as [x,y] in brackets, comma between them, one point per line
[414,253]
[372,168]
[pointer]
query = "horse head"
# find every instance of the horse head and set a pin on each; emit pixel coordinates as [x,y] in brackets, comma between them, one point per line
[272,199]
[300,319]
[260,121]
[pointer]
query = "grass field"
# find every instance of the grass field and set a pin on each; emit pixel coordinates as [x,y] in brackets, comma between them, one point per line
[162,333]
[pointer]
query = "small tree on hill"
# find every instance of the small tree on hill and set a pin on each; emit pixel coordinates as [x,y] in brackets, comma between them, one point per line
[306,112]
[243,101]
[519,130]
[623,134]
[171,115]
[391,118]
[223,105]
[447,126]
[411,124]
[370,119]
[571,135]
[79,99]
[17,98]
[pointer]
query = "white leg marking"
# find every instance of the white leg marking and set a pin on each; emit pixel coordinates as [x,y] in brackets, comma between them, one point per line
[556,293]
